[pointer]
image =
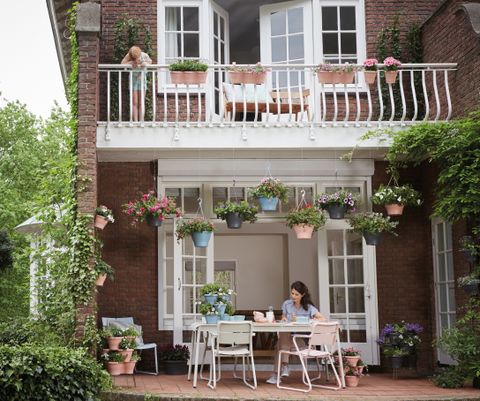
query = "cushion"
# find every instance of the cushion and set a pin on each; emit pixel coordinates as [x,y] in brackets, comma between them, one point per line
[122,325]
[262,94]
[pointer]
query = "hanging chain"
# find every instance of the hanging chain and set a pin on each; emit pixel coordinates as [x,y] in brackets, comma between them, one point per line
[200,208]
[302,201]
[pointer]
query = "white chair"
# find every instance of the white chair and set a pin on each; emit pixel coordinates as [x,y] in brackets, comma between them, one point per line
[324,335]
[125,322]
[233,339]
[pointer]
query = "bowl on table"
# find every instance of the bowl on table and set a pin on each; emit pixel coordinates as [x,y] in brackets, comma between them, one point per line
[303,319]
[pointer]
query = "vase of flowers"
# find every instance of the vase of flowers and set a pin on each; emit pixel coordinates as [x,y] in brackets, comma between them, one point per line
[247,74]
[269,192]
[200,229]
[336,204]
[395,198]
[151,209]
[391,69]
[305,221]
[235,213]
[103,216]
[370,66]
[371,225]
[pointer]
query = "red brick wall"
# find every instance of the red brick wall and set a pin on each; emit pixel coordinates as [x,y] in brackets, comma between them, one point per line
[448,37]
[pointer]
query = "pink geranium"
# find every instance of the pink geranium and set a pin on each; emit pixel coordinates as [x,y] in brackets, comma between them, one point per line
[391,64]
[370,64]
[151,205]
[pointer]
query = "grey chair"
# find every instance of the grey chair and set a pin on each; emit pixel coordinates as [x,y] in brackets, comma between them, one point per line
[141,346]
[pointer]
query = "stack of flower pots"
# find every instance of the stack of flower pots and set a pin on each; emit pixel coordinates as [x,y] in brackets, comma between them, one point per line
[120,356]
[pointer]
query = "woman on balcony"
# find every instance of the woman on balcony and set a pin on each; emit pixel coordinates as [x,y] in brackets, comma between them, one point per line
[298,305]
[136,58]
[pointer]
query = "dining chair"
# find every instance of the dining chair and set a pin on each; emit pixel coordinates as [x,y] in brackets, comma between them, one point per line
[323,335]
[232,339]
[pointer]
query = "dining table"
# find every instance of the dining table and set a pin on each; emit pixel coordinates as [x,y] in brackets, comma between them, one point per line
[205,329]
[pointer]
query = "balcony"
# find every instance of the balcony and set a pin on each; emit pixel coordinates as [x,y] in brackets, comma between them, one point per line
[292,104]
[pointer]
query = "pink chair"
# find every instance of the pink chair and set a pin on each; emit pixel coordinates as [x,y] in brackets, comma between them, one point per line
[325,336]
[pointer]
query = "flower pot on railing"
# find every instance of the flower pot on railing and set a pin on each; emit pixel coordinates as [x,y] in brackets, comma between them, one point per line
[370,77]
[100,222]
[234,220]
[247,77]
[153,221]
[394,209]
[391,76]
[325,77]
[372,238]
[268,204]
[345,77]
[201,239]
[101,279]
[188,77]
[336,212]
[303,231]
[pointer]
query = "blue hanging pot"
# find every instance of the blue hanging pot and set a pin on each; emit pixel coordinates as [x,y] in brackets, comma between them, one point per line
[268,204]
[201,238]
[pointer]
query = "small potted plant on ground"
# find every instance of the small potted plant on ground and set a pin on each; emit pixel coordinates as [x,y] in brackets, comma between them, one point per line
[129,366]
[151,209]
[370,66]
[188,72]
[269,192]
[352,377]
[115,363]
[200,229]
[395,198]
[396,356]
[470,283]
[336,204]
[371,225]
[247,74]
[391,69]
[126,348]
[305,221]
[103,270]
[352,356]
[234,213]
[103,216]
[175,359]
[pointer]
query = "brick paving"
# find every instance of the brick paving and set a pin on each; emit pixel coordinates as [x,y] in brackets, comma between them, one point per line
[372,387]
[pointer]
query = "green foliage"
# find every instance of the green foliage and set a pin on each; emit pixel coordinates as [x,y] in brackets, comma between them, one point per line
[188,227]
[370,222]
[35,372]
[206,308]
[174,353]
[392,351]
[188,65]
[450,377]
[210,288]
[307,215]
[6,251]
[270,187]
[245,211]
[401,195]
[472,278]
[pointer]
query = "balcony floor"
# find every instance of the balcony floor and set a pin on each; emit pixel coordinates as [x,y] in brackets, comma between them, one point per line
[376,386]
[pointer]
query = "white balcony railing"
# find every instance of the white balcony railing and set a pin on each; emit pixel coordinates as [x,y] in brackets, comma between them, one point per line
[290,96]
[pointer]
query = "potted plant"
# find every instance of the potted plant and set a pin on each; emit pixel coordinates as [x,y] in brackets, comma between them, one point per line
[470,283]
[234,213]
[352,377]
[391,69]
[325,73]
[200,229]
[247,74]
[336,204]
[210,312]
[396,356]
[103,216]
[210,292]
[469,249]
[371,225]
[352,356]
[346,73]
[113,336]
[175,359]
[396,198]
[103,270]
[305,221]
[130,333]
[370,66]
[188,72]
[115,365]
[129,367]
[126,348]
[269,192]
[399,340]
[151,209]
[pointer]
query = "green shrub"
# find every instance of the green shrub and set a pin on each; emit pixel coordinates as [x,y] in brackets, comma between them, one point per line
[19,331]
[450,377]
[188,65]
[31,373]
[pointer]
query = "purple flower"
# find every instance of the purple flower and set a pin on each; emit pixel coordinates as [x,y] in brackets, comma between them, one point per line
[414,327]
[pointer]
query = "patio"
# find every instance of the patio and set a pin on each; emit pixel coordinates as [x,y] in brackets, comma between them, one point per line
[376,386]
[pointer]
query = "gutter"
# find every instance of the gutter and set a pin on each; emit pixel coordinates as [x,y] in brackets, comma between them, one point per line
[58,41]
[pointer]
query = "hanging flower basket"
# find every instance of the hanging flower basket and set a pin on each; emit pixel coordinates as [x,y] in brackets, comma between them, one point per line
[372,239]
[305,220]
[200,229]
[234,213]
[268,204]
[336,204]
[100,222]
[151,209]
[303,231]
[336,212]
[154,221]
[234,220]
[103,216]
[394,209]
[395,198]
[269,192]
[201,238]
[371,225]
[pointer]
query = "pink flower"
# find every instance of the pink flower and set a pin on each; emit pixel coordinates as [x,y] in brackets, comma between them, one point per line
[391,63]
[370,64]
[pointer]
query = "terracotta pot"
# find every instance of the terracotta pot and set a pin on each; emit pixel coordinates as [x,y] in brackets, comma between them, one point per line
[303,231]
[115,368]
[129,367]
[100,222]
[370,77]
[345,77]
[325,77]
[101,279]
[394,209]
[114,342]
[188,77]
[352,360]
[391,76]
[127,354]
[351,381]
[238,77]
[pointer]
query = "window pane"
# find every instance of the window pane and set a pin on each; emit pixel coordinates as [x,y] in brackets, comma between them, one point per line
[356,300]
[172,19]
[222,28]
[451,297]
[222,53]
[329,18]
[188,300]
[295,47]
[354,243]
[349,43]
[219,195]
[215,52]
[347,18]
[440,244]
[443,297]
[191,196]
[279,49]
[330,43]
[237,194]
[355,271]
[174,193]
[169,300]
[337,300]
[292,200]
[441,267]
[172,45]
[278,23]
[215,24]
[190,19]
[295,20]
[444,321]
[336,273]
[335,242]
[448,231]
[191,45]
[449,266]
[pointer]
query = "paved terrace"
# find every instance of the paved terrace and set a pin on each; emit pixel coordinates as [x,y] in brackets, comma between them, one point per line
[377,386]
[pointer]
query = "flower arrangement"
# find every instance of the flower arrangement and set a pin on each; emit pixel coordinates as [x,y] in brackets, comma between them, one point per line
[256,68]
[400,335]
[400,195]
[187,227]
[270,187]
[105,212]
[350,352]
[338,198]
[245,211]
[326,67]
[391,64]
[308,215]
[372,223]
[176,352]
[188,65]
[150,205]
[370,64]
[351,371]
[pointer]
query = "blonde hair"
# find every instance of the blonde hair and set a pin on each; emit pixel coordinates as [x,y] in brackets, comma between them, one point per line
[135,52]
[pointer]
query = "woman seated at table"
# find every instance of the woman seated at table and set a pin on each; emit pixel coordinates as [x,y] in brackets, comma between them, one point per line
[298,305]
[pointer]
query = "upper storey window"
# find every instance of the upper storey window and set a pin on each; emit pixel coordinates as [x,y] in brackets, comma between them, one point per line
[182,33]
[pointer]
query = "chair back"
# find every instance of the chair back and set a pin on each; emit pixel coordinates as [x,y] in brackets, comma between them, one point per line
[324,333]
[123,321]
[235,333]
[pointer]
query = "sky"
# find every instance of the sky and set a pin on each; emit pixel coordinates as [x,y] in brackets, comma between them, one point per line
[29,69]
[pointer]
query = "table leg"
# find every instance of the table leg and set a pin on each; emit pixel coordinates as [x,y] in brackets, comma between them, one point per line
[191,357]
[195,367]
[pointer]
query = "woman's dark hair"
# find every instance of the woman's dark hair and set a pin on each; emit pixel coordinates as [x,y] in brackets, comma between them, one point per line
[302,289]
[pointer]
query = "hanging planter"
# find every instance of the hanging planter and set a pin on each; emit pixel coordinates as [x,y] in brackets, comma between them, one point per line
[153,221]
[396,197]
[371,225]
[151,209]
[269,192]
[372,238]
[201,238]
[370,65]
[101,279]
[305,220]
[234,213]
[248,74]
[103,216]
[336,204]
[200,229]
[268,204]
[391,77]
[103,270]
[303,231]
[336,212]
[394,209]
